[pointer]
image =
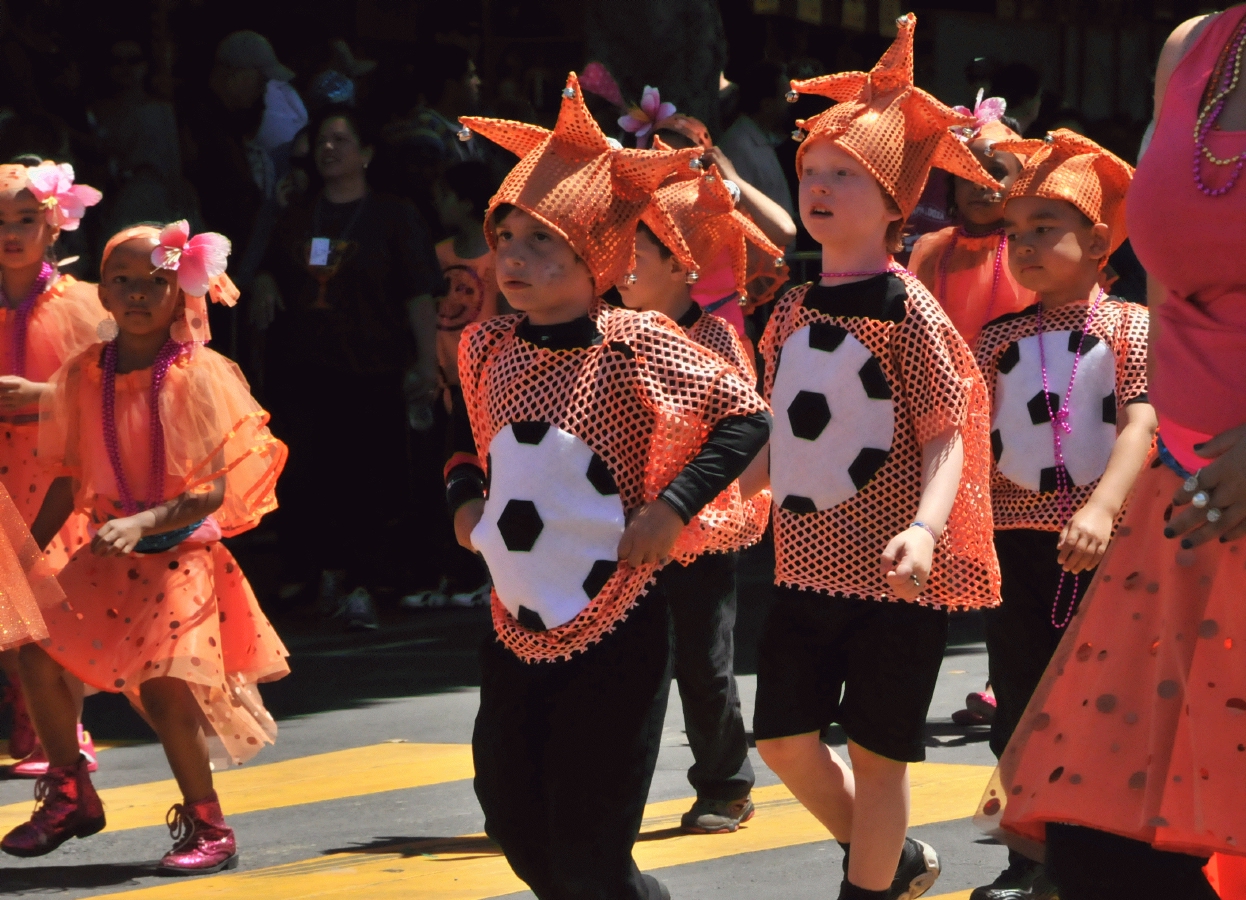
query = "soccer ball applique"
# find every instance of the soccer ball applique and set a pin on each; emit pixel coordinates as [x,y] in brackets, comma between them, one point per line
[551,525]
[1021,436]
[833,419]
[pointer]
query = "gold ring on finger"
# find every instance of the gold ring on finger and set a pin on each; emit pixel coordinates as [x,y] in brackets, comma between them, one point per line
[1200,500]
[1213,515]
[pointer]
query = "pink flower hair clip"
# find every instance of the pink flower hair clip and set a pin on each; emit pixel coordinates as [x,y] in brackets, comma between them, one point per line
[196,260]
[64,202]
[640,120]
[991,109]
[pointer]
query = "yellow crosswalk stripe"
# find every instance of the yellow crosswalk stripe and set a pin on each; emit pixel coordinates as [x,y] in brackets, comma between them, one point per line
[470,867]
[308,779]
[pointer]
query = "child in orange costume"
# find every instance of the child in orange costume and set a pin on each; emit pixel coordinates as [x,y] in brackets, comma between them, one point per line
[159,441]
[879,465]
[45,318]
[964,266]
[690,225]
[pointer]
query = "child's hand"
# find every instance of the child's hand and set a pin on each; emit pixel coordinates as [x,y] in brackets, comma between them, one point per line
[1085,539]
[466,518]
[16,392]
[650,535]
[117,537]
[907,561]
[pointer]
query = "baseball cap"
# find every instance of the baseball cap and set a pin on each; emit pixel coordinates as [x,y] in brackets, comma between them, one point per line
[251,50]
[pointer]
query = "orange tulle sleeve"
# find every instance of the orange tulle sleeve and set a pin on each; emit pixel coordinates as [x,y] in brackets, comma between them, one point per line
[68,321]
[59,445]
[27,582]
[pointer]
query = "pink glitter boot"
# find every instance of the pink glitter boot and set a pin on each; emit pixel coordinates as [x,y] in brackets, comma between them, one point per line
[69,807]
[203,843]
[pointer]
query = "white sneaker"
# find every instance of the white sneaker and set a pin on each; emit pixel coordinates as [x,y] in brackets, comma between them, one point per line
[480,597]
[360,611]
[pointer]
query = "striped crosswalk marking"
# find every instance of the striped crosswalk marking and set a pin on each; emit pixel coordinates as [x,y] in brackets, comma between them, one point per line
[471,868]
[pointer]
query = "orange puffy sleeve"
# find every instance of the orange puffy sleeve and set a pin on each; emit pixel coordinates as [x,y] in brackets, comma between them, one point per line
[60,414]
[70,318]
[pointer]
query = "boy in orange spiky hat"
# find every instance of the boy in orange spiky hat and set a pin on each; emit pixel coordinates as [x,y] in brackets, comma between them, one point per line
[690,224]
[592,439]
[879,465]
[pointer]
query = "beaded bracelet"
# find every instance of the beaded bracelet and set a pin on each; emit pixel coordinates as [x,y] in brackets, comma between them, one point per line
[930,531]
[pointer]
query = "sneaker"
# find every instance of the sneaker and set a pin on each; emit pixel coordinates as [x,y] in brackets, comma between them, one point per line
[22,737]
[967,717]
[482,596]
[360,611]
[203,843]
[1019,882]
[918,871]
[717,816]
[68,807]
[35,764]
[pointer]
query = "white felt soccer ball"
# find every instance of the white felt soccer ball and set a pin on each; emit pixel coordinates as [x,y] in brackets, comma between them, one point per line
[833,419]
[551,526]
[1021,431]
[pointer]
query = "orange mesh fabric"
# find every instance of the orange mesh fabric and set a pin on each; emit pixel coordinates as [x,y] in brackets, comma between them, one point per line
[1122,328]
[580,184]
[1067,166]
[934,385]
[897,131]
[645,399]
[696,219]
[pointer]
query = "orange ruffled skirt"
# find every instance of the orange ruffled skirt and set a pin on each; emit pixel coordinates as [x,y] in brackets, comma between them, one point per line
[1138,727]
[187,613]
[28,482]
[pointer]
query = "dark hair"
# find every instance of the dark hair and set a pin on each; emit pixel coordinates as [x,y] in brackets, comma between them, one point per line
[359,123]
[759,82]
[1011,123]
[663,251]
[1017,83]
[474,182]
[501,212]
[27,159]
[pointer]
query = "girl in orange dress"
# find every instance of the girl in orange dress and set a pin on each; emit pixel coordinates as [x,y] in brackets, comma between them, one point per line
[45,318]
[964,266]
[158,440]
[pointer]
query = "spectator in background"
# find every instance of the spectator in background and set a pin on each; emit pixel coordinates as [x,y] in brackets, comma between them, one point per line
[751,139]
[1021,85]
[451,89]
[246,60]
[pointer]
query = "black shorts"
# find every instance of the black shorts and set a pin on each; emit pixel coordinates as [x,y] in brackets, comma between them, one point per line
[869,666]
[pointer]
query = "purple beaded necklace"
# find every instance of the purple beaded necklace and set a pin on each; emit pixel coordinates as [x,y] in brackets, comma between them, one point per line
[155,479]
[999,265]
[891,268]
[1060,422]
[1210,113]
[21,315]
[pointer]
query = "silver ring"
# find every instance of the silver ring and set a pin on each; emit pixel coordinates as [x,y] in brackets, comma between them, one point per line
[1200,500]
[1213,515]
[1190,484]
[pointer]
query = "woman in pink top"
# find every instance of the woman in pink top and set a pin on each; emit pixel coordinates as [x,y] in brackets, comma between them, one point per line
[1131,757]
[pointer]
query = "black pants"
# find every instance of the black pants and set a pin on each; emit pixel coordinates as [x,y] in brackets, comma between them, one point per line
[1093,865]
[703,607]
[1020,636]
[564,755]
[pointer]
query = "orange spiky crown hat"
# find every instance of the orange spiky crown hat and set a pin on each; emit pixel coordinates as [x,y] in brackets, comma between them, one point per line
[580,183]
[1067,166]
[696,219]
[894,129]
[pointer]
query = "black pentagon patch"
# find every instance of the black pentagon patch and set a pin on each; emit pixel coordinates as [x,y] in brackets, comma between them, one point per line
[1109,408]
[1009,358]
[997,444]
[874,381]
[599,477]
[797,504]
[529,432]
[598,575]
[1040,410]
[1085,342]
[530,619]
[809,415]
[866,465]
[520,525]
[826,337]
[1048,480]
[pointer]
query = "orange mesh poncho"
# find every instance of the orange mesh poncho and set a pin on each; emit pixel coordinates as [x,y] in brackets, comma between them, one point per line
[1067,166]
[643,400]
[1111,373]
[580,183]
[861,376]
[897,131]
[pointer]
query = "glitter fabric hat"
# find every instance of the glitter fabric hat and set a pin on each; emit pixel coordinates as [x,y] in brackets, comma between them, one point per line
[696,219]
[1067,166]
[580,183]
[897,131]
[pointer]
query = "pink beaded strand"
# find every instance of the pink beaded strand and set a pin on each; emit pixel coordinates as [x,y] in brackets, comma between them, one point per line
[893,268]
[155,479]
[1060,422]
[21,315]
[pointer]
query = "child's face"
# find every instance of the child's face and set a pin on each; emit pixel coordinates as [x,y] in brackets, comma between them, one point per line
[841,203]
[25,234]
[657,279]
[143,299]
[539,273]
[982,205]
[1051,247]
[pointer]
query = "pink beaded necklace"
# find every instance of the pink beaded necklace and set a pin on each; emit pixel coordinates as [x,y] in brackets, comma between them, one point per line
[999,265]
[1223,86]
[155,479]
[892,268]
[1060,422]
[21,315]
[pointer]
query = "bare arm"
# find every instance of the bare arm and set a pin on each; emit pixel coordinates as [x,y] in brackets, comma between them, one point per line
[770,217]
[57,506]
[756,477]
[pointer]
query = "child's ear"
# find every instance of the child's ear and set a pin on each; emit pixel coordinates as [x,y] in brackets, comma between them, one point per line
[1100,241]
